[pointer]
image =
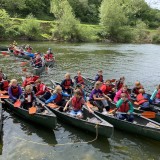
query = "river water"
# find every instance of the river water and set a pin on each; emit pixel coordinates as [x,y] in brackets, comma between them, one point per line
[23,140]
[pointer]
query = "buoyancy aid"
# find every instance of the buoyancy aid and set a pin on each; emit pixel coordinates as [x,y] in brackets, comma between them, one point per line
[29,97]
[140,99]
[38,61]
[67,83]
[124,107]
[119,85]
[80,80]
[49,56]
[76,103]
[158,94]
[5,85]
[1,77]
[136,90]
[100,78]
[58,98]
[42,87]
[15,90]
[107,89]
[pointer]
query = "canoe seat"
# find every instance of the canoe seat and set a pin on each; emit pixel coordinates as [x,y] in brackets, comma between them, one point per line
[93,120]
[152,125]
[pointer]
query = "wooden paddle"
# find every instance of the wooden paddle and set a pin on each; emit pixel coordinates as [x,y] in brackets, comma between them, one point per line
[52,105]
[17,104]
[148,114]
[32,110]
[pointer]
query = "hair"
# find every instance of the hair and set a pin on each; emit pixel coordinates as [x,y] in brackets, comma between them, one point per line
[122,77]
[124,85]
[38,81]
[56,89]
[77,92]
[108,80]
[12,81]
[100,71]
[137,83]
[123,95]
[28,75]
[28,88]
[158,87]
[67,74]
[79,72]
[97,84]
[141,91]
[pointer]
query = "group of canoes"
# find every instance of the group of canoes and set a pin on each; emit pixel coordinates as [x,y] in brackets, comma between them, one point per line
[85,103]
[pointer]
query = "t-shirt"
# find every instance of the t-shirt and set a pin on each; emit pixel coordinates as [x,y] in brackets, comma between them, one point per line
[96,92]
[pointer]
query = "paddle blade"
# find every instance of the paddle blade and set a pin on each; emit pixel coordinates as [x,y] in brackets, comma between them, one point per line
[24,63]
[149,114]
[24,69]
[32,110]
[17,104]
[52,105]
[4,97]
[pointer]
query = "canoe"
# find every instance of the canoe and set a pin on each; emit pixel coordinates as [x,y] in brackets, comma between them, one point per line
[49,63]
[141,125]
[38,71]
[88,123]
[22,56]
[47,120]
[0,121]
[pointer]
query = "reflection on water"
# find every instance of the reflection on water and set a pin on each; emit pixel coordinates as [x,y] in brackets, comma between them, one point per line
[135,62]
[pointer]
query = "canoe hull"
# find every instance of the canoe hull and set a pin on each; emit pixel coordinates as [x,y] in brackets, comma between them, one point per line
[23,56]
[142,130]
[38,71]
[47,121]
[49,63]
[104,129]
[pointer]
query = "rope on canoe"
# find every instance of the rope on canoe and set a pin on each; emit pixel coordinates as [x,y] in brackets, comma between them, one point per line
[22,139]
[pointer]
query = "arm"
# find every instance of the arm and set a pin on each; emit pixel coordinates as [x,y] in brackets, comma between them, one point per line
[154,94]
[68,102]
[52,98]
[117,96]
[99,98]
[41,90]
[10,94]
[90,110]
[107,97]
[131,108]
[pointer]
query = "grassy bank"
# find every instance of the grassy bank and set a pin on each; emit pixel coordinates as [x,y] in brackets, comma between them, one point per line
[89,32]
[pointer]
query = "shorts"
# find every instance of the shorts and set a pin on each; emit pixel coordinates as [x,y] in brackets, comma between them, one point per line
[75,113]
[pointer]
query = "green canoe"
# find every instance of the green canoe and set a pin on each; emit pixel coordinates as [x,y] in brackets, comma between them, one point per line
[141,125]
[46,119]
[38,71]
[23,56]
[88,123]
[49,63]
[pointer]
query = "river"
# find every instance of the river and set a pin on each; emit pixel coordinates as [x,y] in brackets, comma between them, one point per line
[25,141]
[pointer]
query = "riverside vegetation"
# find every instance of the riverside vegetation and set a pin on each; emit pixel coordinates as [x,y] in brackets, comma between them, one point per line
[129,21]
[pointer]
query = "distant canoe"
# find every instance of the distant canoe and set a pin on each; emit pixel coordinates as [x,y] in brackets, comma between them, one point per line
[49,63]
[38,71]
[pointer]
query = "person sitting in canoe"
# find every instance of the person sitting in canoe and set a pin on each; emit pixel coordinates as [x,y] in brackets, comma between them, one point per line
[14,90]
[155,97]
[58,97]
[119,83]
[49,56]
[29,80]
[83,94]
[41,89]
[125,108]
[99,76]
[142,100]
[79,78]
[108,89]
[28,98]
[76,102]
[37,62]
[4,83]
[124,89]
[98,98]
[28,48]
[135,90]
[67,84]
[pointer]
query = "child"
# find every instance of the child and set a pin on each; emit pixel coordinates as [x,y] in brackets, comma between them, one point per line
[156,95]
[120,83]
[49,56]
[14,90]
[76,102]
[28,97]
[83,94]
[124,106]
[79,78]
[58,97]
[124,89]
[99,76]
[135,90]
[29,80]
[67,84]
[37,62]
[98,98]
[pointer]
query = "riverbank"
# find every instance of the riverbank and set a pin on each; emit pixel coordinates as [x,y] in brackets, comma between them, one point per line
[89,33]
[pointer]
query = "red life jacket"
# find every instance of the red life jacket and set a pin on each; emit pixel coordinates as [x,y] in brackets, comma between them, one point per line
[1,77]
[141,99]
[100,78]
[15,91]
[38,61]
[42,87]
[76,103]
[67,83]
[58,98]
[106,88]
[49,56]
[5,85]
[124,107]
[26,96]
[80,80]
[136,90]
[119,85]
[158,94]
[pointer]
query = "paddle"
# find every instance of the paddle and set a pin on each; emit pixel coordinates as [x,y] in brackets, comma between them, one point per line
[52,105]
[17,104]
[32,110]
[24,63]
[24,69]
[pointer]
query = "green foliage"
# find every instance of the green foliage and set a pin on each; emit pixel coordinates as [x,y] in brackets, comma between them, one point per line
[30,28]
[156,37]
